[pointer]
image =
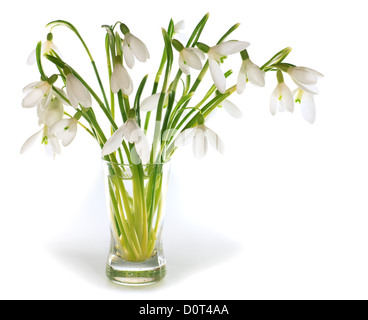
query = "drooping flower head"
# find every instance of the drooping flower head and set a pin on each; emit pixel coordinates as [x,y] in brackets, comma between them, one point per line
[305,78]
[51,114]
[38,93]
[188,57]
[281,98]
[130,131]
[307,106]
[133,48]
[249,71]
[76,91]
[47,47]
[216,55]
[120,79]
[200,136]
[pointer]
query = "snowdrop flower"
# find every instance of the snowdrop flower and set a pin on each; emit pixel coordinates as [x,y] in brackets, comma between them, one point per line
[249,71]
[133,47]
[188,57]
[65,130]
[200,135]
[151,102]
[120,79]
[215,57]
[131,131]
[179,26]
[305,78]
[307,105]
[38,93]
[281,98]
[48,117]
[47,47]
[49,140]
[232,109]
[178,34]
[52,113]
[76,91]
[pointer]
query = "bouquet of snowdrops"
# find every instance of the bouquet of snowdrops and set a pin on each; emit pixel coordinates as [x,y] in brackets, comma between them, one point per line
[66,101]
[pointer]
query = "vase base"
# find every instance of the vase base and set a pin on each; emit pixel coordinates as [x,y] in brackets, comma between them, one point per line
[135,273]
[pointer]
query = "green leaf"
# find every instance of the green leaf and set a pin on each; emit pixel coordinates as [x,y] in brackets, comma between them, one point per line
[39,63]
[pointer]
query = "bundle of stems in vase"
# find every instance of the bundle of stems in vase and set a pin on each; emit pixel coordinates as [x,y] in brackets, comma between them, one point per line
[168,111]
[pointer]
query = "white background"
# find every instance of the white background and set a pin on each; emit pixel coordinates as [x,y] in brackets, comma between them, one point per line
[282,215]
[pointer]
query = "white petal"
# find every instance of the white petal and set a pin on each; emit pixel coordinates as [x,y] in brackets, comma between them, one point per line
[33,98]
[287,100]
[198,52]
[70,133]
[215,140]
[255,75]
[179,26]
[114,142]
[311,88]
[150,103]
[303,75]
[138,47]
[128,55]
[230,47]
[232,109]
[191,59]
[114,82]
[52,113]
[65,129]
[59,127]
[183,67]
[120,80]
[143,149]
[32,86]
[185,137]
[200,142]
[274,101]
[132,131]
[32,58]
[217,76]
[54,143]
[77,93]
[31,141]
[242,80]
[308,107]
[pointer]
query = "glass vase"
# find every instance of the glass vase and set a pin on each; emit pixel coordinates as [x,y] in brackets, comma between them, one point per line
[136,197]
